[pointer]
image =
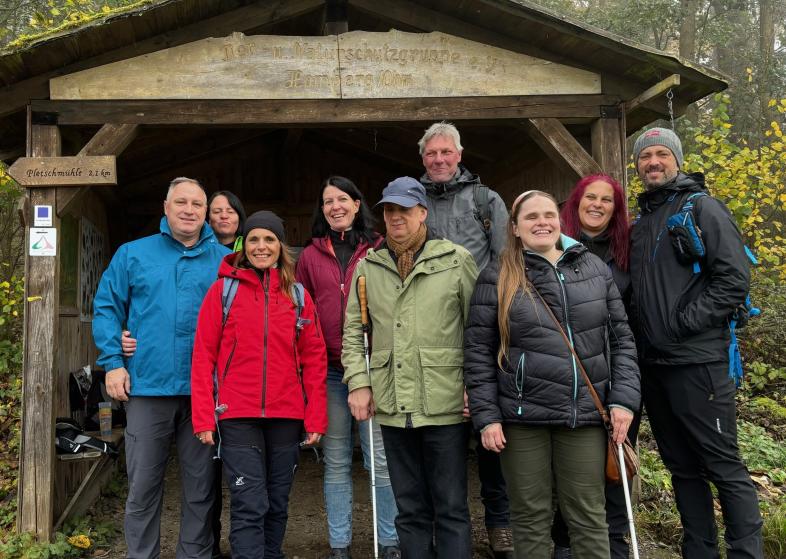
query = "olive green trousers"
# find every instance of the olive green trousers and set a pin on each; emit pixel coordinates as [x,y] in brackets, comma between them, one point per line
[537,460]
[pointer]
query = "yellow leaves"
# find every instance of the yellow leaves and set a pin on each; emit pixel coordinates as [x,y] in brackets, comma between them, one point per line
[749,72]
[106,9]
[33,298]
[81,541]
[772,102]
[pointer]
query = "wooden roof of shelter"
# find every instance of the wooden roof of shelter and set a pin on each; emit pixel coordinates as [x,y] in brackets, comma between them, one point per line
[627,68]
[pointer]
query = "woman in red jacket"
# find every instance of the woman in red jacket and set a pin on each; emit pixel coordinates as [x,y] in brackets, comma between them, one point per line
[342,232]
[271,383]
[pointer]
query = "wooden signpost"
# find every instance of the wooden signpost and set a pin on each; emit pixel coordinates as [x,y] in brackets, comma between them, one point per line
[64,171]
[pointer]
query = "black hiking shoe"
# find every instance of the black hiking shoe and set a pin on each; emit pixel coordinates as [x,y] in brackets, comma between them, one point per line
[390,552]
[339,553]
[562,552]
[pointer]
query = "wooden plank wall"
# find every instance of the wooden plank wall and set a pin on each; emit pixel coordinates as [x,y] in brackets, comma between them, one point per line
[75,349]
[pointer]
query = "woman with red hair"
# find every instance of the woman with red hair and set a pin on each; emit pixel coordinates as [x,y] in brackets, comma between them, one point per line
[596,213]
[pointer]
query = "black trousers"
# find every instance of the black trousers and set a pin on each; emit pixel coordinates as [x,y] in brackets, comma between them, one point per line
[693,417]
[493,491]
[616,512]
[428,473]
[260,458]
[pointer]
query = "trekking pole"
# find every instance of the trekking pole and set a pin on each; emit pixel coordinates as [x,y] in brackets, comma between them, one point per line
[366,328]
[628,505]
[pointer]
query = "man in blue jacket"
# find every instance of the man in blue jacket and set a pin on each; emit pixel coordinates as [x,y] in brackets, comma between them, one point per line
[154,286]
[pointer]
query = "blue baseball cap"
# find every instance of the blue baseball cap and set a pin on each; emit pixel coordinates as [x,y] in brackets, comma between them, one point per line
[404,191]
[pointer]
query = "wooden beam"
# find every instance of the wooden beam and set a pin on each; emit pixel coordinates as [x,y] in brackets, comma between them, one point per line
[607,147]
[37,463]
[561,147]
[660,87]
[14,97]
[111,139]
[311,112]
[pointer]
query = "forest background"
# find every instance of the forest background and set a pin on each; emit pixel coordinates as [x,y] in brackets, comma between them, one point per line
[735,138]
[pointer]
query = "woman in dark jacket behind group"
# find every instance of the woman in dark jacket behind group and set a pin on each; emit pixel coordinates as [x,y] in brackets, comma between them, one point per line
[596,214]
[526,394]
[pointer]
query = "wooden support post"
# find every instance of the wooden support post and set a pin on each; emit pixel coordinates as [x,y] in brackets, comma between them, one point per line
[607,147]
[660,87]
[37,452]
[336,17]
[561,147]
[111,139]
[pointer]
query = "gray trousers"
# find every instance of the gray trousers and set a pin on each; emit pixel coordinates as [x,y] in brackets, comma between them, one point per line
[152,424]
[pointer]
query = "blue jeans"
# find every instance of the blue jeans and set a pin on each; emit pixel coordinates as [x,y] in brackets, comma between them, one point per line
[337,447]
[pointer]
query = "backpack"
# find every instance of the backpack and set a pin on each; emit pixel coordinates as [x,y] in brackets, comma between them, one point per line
[482,198]
[686,238]
[70,438]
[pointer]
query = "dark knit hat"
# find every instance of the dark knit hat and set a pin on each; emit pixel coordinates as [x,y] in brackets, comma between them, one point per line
[265,220]
[658,137]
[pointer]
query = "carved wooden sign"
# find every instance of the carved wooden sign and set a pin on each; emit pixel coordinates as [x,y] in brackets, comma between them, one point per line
[355,65]
[64,171]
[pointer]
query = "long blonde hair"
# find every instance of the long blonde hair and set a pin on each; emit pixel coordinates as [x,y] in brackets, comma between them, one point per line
[512,272]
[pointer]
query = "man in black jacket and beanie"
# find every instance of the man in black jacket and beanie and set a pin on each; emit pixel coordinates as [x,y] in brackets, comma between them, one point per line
[680,311]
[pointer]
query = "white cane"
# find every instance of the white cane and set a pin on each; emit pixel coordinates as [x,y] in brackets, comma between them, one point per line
[628,506]
[366,328]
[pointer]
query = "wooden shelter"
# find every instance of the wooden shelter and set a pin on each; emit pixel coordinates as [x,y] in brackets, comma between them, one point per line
[267,98]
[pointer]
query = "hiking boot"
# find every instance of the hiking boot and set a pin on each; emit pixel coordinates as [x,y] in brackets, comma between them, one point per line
[561,553]
[501,542]
[390,552]
[339,553]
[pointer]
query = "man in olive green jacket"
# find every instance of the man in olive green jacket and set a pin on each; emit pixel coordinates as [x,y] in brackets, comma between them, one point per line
[418,289]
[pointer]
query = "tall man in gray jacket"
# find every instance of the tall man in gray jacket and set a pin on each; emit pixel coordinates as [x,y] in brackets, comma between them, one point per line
[463,210]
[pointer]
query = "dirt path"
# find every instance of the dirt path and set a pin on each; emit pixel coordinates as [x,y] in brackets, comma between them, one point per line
[307,528]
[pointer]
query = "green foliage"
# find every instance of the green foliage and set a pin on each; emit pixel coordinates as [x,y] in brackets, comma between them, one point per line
[12,295]
[769,407]
[774,531]
[761,453]
[80,538]
[57,16]
[759,376]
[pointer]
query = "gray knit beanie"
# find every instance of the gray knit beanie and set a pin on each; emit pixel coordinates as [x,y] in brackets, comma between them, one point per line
[658,137]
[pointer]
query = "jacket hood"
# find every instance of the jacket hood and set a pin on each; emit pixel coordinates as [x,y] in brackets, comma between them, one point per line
[651,199]
[570,246]
[450,188]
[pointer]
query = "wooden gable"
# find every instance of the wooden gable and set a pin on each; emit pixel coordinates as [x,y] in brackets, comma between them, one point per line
[355,65]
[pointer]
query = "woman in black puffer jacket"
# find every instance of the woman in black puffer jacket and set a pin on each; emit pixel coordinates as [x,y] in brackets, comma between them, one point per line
[526,395]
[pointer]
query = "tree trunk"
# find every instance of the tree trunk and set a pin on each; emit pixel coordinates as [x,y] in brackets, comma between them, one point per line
[766,51]
[688,42]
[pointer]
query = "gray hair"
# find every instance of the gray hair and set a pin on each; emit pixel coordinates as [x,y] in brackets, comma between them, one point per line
[180,180]
[443,128]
